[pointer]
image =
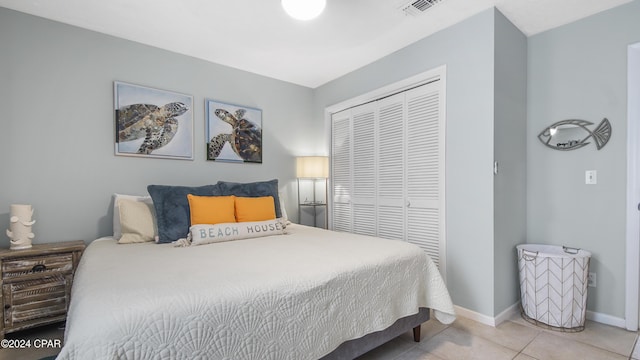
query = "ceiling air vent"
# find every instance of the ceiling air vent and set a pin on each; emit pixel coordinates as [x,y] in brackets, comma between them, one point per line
[417,7]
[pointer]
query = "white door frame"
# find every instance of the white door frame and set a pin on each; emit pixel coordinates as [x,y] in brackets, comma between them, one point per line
[632,300]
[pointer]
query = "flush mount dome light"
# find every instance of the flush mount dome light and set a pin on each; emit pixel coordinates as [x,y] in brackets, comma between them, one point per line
[304,9]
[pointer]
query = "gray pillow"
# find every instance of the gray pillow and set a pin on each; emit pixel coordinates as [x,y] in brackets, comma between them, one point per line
[172,208]
[253,189]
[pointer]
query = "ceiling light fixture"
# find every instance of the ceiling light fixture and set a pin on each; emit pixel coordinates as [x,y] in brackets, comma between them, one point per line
[304,9]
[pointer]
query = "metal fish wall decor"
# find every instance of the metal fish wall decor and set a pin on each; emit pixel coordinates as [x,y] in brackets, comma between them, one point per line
[574,134]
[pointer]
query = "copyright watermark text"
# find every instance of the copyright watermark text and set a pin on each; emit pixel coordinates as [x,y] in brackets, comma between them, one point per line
[28,343]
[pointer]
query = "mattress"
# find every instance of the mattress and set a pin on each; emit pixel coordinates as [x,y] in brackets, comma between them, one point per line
[295,296]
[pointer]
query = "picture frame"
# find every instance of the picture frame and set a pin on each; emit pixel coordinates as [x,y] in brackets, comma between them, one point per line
[233,132]
[152,123]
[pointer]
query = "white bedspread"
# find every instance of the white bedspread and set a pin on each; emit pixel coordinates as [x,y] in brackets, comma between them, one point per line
[296,296]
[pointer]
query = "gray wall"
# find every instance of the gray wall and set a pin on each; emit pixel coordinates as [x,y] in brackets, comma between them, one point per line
[467,51]
[58,125]
[579,71]
[510,153]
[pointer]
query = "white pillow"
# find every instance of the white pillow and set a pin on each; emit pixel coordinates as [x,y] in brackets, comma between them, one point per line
[137,221]
[117,229]
[207,234]
[283,210]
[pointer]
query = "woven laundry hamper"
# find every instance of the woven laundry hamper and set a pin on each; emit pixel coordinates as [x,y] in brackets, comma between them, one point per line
[553,286]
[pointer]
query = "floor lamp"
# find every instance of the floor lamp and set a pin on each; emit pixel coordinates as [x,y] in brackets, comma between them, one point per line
[313,168]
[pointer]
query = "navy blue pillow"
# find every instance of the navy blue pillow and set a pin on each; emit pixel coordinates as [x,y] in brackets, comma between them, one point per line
[253,189]
[172,208]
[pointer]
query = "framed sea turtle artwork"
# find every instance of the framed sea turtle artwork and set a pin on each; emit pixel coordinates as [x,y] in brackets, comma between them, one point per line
[152,123]
[233,132]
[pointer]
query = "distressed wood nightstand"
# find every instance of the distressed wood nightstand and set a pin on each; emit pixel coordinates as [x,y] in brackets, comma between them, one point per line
[36,284]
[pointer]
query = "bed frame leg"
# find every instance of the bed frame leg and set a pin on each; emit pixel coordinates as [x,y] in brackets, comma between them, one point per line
[416,333]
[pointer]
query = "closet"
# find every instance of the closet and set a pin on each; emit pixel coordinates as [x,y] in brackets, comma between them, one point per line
[387,168]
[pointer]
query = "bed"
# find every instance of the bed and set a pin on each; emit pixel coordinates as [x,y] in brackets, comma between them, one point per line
[306,293]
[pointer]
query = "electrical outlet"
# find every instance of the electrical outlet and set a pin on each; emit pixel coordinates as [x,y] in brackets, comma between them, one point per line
[592,279]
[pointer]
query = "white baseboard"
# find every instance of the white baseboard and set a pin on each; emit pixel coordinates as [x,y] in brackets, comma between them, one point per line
[515,308]
[475,316]
[488,320]
[508,313]
[606,319]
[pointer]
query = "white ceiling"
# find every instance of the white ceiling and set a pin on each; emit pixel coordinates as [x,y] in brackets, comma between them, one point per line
[257,36]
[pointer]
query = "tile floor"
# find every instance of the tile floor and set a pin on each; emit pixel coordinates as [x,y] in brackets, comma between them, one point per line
[464,339]
[513,339]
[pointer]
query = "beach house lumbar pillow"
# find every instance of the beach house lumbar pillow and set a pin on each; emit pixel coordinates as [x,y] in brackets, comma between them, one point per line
[207,234]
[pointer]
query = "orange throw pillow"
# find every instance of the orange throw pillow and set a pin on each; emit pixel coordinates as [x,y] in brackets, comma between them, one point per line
[211,209]
[255,208]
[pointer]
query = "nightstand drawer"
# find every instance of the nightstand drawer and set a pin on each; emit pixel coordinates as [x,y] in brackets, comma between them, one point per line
[57,263]
[35,299]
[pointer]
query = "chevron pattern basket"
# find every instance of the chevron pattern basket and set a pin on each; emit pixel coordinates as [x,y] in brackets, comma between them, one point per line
[553,286]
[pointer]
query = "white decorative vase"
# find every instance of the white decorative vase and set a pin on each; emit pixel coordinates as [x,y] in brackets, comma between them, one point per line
[20,226]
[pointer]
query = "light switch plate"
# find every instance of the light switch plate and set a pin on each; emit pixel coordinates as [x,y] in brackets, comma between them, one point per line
[591,177]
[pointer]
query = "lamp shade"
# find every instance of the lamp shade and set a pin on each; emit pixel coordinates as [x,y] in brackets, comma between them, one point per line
[312,167]
[303,9]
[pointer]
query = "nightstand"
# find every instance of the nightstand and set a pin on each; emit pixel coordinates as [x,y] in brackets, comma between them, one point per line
[315,206]
[36,284]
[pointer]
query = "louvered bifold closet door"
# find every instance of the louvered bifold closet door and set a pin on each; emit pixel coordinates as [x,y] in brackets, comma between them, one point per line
[364,169]
[390,175]
[341,178]
[425,168]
